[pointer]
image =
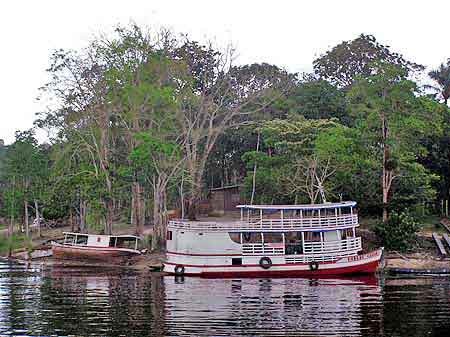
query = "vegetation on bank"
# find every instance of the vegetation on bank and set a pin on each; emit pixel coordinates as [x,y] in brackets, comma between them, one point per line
[147,121]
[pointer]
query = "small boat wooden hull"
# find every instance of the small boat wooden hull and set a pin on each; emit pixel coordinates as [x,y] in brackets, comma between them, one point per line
[61,251]
[358,264]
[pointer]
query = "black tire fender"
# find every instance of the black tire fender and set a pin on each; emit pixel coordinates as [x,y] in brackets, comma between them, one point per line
[179,270]
[265,262]
[313,265]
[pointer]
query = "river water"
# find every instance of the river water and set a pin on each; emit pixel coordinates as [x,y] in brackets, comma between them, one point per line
[37,301]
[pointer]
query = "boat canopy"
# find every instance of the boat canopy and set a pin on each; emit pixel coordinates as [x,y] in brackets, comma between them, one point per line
[111,236]
[298,207]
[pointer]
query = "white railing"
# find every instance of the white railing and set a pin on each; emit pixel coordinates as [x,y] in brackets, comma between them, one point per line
[317,258]
[262,249]
[327,247]
[274,225]
[312,251]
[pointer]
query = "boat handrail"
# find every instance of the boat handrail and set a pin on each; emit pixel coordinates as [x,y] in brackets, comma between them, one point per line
[328,205]
[123,236]
[305,223]
[310,248]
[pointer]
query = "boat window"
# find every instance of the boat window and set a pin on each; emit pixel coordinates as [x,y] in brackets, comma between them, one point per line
[293,237]
[293,243]
[312,236]
[82,239]
[236,261]
[251,238]
[345,210]
[169,235]
[125,242]
[235,237]
[69,239]
[273,237]
[331,236]
[346,233]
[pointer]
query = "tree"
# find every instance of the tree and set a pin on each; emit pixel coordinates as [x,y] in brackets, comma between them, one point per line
[442,77]
[26,170]
[349,59]
[386,107]
[214,96]
[288,169]
[318,99]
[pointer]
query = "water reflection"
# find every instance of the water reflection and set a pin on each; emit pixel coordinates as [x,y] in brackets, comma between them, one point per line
[84,302]
[273,307]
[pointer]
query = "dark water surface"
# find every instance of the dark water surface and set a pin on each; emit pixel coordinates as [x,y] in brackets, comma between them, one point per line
[36,301]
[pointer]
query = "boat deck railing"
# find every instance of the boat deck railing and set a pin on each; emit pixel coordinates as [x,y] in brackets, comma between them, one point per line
[317,251]
[323,248]
[271,225]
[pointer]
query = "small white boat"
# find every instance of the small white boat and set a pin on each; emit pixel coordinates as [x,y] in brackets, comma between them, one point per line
[272,240]
[97,247]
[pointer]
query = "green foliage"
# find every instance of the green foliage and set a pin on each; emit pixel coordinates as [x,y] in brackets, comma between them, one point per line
[349,59]
[11,243]
[318,99]
[442,78]
[399,233]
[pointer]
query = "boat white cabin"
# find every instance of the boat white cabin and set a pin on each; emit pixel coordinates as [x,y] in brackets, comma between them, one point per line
[93,246]
[316,239]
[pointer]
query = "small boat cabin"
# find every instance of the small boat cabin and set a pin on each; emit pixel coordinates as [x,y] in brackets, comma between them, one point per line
[101,241]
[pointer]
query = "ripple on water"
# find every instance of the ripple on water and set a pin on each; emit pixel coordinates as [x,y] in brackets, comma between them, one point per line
[55,301]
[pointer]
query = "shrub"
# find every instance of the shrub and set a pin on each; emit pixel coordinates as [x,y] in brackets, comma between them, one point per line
[399,232]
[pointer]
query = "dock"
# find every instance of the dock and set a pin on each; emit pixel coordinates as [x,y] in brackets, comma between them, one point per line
[439,244]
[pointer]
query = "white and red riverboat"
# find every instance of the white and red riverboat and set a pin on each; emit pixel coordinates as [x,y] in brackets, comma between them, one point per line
[272,240]
[95,247]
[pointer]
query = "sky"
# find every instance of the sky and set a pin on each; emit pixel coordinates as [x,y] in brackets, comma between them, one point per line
[290,34]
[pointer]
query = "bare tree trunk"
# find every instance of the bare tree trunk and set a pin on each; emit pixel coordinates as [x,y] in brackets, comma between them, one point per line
[38,216]
[82,216]
[137,207]
[72,227]
[109,219]
[387,173]
[27,224]
[254,173]
[182,196]
[159,219]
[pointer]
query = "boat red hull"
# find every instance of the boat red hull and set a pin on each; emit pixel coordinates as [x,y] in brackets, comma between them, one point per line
[358,264]
[369,268]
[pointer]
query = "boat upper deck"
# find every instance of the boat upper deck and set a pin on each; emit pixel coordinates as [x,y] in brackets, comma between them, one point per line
[280,218]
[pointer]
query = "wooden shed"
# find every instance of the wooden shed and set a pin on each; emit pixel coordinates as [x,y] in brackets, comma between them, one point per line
[224,199]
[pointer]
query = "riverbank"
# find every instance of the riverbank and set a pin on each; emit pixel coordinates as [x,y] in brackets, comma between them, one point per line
[424,254]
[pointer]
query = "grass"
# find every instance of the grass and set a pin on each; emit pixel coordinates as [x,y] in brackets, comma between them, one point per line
[14,242]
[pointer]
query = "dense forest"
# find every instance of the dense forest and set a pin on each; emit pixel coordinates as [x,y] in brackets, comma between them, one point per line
[142,121]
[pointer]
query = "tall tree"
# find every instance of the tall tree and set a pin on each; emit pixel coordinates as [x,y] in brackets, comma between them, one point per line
[386,107]
[442,78]
[214,96]
[26,170]
[349,59]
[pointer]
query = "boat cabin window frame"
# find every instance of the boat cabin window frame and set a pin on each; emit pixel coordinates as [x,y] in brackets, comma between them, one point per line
[270,237]
[252,238]
[312,236]
[236,237]
[81,239]
[127,242]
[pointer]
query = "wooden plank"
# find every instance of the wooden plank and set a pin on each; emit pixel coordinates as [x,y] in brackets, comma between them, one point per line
[447,239]
[439,244]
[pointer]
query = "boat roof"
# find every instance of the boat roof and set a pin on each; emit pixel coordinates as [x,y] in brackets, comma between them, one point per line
[111,236]
[299,207]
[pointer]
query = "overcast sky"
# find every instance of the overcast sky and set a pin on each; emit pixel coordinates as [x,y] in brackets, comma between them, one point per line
[289,34]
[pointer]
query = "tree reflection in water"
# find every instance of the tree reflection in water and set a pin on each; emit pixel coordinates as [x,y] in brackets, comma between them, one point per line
[89,302]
